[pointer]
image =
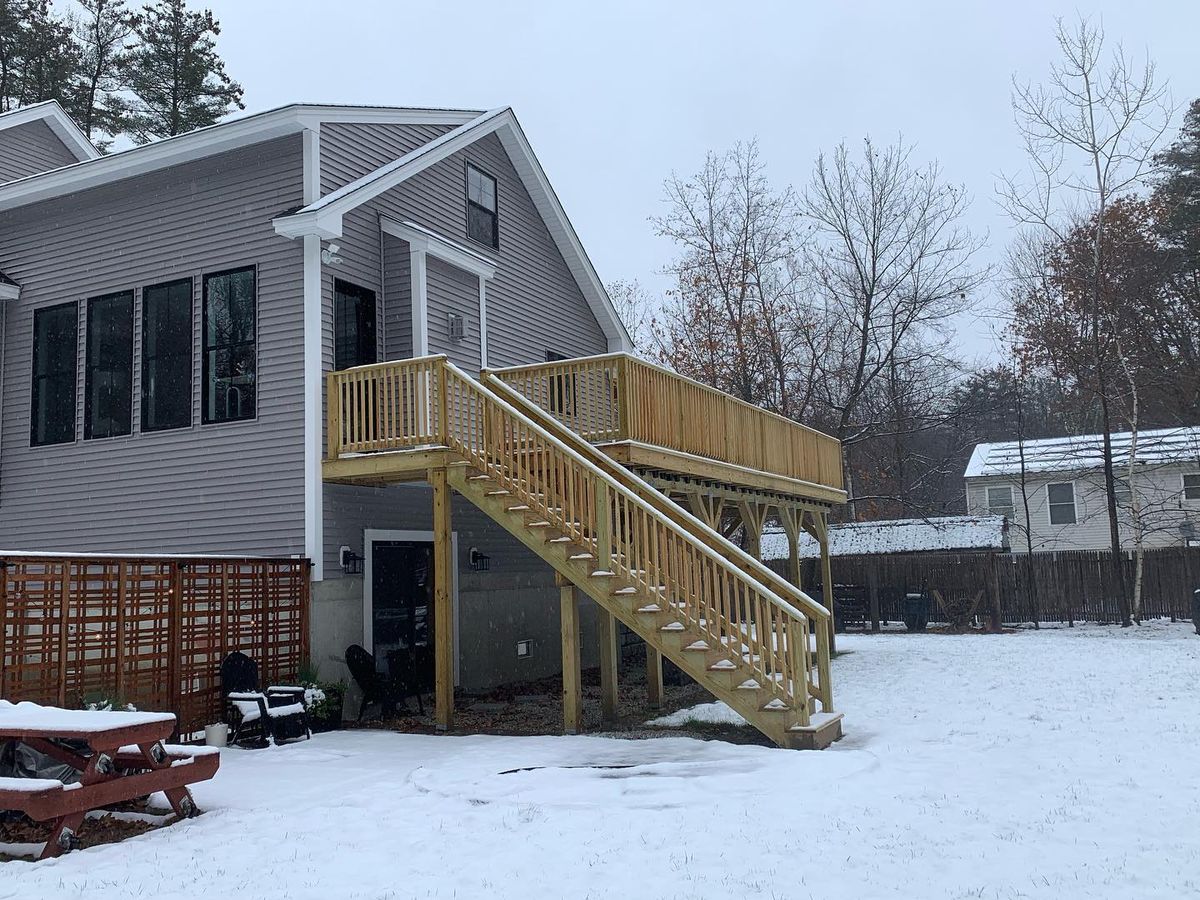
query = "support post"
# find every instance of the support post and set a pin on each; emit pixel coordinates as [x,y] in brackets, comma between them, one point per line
[753,517]
[817,524]
[608,666]
[443,600]
[572,690]
[789,517]
[654,678]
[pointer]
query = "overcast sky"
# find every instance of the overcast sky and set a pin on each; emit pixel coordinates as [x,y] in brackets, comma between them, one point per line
[616,95]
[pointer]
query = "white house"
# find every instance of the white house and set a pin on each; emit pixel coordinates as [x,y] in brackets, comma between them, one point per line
[1063,485]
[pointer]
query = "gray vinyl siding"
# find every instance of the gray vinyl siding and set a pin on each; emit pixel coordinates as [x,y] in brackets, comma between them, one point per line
[397,302]
[450,290]
[30,149]
[231,487]
[351,150]
[1160,490]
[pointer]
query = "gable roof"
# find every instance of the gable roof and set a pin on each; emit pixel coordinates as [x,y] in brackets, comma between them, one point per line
[940,534]
[324,216]
[1082,452]
[60,123]
[230,134]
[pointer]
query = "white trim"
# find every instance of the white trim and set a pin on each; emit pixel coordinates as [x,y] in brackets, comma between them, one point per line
[10,291]
[370,536]
[429,241]
[420,301]
[60,123]
[483,329]
[1183,497]
[314,513]
[202,142]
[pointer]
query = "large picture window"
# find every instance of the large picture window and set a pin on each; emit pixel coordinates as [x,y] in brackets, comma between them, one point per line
[55,353]
[354,325]
[482,220]
[230,363]
[108,378]
[167,355]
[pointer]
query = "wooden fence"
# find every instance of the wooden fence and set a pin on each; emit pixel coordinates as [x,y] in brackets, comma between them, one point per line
[1069,586]
[150,631]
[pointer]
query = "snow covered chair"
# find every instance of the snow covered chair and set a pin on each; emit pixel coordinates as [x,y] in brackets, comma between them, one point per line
[278,714]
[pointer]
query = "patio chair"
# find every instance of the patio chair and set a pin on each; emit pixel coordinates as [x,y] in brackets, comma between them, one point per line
[386,690]
[276,715]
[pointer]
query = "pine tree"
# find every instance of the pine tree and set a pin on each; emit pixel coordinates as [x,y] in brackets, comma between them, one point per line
[178,79]
[103,33]
[39,59]
[1178,189]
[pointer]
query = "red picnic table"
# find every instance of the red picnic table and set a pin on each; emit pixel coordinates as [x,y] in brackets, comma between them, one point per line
[124,758]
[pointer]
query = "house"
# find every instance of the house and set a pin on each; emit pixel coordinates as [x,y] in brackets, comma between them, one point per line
[371,337]
[937,534]
[1063,485]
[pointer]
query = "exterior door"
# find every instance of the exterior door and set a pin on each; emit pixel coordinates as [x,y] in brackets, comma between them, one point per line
[402,609]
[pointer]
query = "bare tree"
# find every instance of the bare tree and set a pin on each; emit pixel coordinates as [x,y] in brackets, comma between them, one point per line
[891,263]
[637,310]
[1089,137]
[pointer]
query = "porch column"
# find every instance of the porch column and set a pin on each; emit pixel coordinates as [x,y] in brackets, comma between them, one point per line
[654,678]
[572,690]
[608,666]
[443,601]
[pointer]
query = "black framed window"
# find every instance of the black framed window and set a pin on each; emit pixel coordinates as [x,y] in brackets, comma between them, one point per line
[55,354]
[108,367]
[167,355]
[1061,498]
[353,325]
[482,224]
[562,387]
[230,360]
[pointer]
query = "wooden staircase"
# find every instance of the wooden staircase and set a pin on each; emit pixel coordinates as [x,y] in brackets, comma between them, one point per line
[751,639]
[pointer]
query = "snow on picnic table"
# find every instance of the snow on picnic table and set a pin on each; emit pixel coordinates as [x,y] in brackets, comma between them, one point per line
[1051,764]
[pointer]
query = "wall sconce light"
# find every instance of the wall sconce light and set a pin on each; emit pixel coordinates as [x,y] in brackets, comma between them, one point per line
[479,562]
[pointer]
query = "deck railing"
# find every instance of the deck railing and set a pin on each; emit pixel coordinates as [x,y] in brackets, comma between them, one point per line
[618,397]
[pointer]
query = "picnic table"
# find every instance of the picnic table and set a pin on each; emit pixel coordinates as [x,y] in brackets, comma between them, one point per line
[120,756]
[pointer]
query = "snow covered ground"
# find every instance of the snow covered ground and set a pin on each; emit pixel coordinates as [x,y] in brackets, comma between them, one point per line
[1052,764]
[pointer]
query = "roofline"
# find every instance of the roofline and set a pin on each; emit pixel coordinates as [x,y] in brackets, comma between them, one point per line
[324,217]
[979,455]
[229,135]
[63,126]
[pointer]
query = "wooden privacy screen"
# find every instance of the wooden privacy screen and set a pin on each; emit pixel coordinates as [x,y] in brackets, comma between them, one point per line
[147,631]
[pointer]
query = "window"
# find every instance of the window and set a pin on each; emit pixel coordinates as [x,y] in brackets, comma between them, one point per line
[1000,501]
[481,208]
[354,325]
[1061,498]
[229,353]
[167,356]
[55,351]
[108,367]
[1191,487]
[1121,491]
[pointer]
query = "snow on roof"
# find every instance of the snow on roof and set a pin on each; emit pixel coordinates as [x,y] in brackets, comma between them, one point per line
[944,533]
[1165,445]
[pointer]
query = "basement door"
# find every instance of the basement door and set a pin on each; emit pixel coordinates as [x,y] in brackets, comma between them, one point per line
[402,609]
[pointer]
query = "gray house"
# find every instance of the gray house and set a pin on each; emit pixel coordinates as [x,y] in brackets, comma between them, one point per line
[220,343]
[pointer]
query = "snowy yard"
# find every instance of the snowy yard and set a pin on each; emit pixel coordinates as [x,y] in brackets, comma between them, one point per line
[1060,763]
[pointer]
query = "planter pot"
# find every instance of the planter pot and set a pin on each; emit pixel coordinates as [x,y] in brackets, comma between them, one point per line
[330,717]
[916,612]
[216,735]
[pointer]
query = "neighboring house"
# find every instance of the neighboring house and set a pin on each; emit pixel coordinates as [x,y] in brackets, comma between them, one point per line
[1063,485]
[192,345]
[938,534]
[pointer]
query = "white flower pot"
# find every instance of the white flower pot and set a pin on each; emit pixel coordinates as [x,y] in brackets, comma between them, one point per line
[216,735]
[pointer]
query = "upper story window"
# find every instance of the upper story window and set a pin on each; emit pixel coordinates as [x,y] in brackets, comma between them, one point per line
[55,354]
[230,358]
[482,222]
[1191,487]
[353,326]
[1061,499]
[1000,501]
[1122,492]
[108,367]
[167,355]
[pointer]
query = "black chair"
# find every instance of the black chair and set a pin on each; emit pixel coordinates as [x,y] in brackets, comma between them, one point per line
[277,715]
[386,690]
[410,673]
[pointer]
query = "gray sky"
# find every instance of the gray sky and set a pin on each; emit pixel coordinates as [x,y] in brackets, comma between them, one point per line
[616,95]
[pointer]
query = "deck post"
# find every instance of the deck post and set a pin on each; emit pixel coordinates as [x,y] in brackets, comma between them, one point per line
[790,517]
[827,580]
[753,515]
[654,678]
[608,666]
[572,689]
[443,599]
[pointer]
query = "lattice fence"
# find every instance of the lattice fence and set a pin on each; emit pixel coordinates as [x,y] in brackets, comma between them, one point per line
[148,631]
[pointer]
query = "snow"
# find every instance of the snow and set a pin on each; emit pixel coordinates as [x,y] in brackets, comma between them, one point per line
[1051,764]
[50,719]
[1155,447]
[942,533]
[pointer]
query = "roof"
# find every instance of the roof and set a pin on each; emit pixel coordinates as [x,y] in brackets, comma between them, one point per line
[1079,453]
[9,289]
[60,123]
[4,279]
[942,534]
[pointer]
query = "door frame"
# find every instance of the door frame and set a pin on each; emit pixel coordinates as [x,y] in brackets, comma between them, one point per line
[370,536]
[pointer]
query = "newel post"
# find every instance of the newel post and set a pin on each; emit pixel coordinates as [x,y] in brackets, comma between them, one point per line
[333,417]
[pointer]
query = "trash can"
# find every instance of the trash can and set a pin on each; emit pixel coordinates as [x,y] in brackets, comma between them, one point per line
[916,611]
[1196,609]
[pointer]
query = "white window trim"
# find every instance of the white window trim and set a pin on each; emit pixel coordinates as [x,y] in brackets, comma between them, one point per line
[1183,497]
[370,536]
[1074,505]
[423,243]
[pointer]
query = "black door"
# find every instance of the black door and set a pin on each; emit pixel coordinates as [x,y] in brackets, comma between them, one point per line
[402,610]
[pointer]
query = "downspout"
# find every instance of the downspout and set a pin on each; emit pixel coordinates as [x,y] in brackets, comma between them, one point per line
[314,511]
